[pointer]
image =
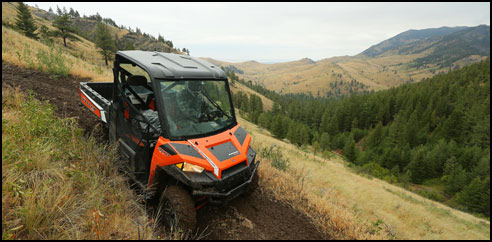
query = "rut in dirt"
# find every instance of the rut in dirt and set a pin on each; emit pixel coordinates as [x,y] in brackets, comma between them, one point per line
[258,216]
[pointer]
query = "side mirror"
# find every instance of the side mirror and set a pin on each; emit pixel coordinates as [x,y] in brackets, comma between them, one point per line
[137,80]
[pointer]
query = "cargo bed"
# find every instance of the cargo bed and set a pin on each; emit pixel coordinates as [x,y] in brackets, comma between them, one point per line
[97,96]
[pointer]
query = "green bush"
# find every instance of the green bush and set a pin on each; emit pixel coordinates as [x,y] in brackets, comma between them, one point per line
[277,159]
[53,62]
[433,195]
[26,56]
[374,169]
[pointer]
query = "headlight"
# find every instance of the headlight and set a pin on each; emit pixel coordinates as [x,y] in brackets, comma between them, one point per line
[190,167]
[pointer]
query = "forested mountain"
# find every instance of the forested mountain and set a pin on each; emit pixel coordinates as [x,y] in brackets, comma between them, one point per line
[408,57]
[410,37]
[456,46]
[435,132]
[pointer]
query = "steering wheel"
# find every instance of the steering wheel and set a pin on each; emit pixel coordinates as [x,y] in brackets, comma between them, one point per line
[210,116]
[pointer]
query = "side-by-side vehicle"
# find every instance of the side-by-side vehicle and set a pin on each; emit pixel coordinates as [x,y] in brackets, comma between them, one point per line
[173,120]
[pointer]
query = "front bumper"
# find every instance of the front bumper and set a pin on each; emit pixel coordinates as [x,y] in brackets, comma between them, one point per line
[223,197]
[234,181]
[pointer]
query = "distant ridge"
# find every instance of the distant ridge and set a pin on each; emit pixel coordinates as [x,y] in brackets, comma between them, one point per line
[409,37]
[407,57]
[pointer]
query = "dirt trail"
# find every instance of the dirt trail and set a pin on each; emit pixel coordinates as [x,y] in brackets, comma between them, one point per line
[259,216]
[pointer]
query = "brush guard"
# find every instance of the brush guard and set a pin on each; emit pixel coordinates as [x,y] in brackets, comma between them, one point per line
[224,197]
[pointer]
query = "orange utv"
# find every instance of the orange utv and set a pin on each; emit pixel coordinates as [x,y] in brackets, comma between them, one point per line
[173,121]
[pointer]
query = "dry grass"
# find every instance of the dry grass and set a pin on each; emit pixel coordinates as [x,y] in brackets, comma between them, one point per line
[82,55]
[350,206]
[55,188]
[19,50]
[58,184]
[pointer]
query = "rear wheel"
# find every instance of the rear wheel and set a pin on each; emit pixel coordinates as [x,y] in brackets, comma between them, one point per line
[112,132]
[178,209]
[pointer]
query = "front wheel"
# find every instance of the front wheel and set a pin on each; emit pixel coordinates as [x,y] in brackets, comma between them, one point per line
[253,185]
[178,209]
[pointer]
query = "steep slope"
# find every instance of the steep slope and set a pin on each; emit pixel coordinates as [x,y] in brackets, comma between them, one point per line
[456,46]
[333,189]
[409,37]
[85,27]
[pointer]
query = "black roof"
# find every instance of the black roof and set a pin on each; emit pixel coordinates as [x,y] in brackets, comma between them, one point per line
[167,65]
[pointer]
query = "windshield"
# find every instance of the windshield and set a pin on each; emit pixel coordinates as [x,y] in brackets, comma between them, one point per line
[196,108]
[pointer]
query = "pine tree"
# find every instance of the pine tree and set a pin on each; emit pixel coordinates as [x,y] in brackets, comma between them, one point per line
[412,129]
[455,176]
[325,141]
[58,11]
[64,29]
[160,38]
[276,108]
[45,34]
[292,133]
[104,41]
[304,135]
[376,136]
[71,13]
[264,120]
[396,132]
[128,45]
[418,165]
[117,43]
[25,21]
[452,127]
[278,127]
[349,149]
[476,196]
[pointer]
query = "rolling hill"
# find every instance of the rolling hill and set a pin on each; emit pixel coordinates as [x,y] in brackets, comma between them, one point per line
[408,57]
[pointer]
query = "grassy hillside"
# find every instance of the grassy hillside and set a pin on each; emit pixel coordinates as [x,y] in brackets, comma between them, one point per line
[85,49]
[405,58]
[55,188]
[22,51]
[355,205]
[86,25]
[80,57]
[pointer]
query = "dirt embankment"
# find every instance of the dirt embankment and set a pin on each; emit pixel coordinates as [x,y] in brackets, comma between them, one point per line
[259,216]
[62,93]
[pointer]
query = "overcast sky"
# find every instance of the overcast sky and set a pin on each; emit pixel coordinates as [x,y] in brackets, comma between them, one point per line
[269,32]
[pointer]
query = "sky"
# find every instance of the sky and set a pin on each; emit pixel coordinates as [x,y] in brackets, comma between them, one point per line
[278,32]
